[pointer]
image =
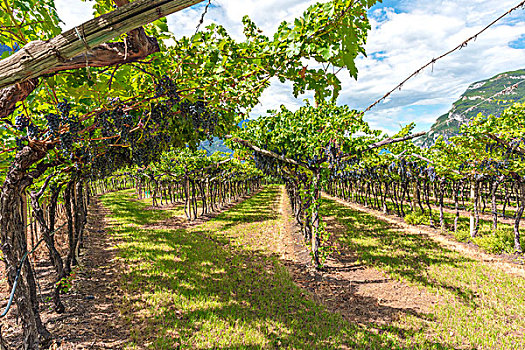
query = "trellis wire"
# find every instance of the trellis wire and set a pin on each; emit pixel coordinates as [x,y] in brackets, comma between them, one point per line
[202,16]
[434,60]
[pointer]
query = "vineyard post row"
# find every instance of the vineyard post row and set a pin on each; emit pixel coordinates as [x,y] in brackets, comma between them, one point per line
[303,148]
[215,185]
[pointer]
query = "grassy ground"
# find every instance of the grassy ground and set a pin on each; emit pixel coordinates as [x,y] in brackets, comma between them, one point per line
[481,308]
[129,210]
[501,241]
[205,288]
[219,286]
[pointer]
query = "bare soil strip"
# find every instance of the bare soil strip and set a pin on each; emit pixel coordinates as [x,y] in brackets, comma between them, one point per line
[94,316]
[508,263]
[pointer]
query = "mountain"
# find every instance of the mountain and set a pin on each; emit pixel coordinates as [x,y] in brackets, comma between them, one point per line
[478,99]
[216,145]
[4,48]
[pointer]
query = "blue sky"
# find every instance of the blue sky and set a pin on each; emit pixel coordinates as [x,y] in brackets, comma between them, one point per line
[396,5]
[405,34]
[518,43]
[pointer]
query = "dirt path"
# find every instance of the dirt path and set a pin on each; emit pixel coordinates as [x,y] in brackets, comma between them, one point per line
[506,263]
[360,294]
[91,319]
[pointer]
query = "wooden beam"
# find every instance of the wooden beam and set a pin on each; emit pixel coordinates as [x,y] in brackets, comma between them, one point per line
[269,153]
[389,140]
[40,57]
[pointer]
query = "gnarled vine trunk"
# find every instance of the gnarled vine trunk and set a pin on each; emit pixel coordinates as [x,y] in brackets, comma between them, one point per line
[19,177]
[519,214]
[316,239]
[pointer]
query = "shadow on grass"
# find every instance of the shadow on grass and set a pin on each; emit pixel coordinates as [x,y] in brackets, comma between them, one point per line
[193,288]
[128,210]
[402,254]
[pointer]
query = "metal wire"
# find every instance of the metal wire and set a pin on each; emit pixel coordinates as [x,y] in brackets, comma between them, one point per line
[19,271]
[202,16]
[434,60]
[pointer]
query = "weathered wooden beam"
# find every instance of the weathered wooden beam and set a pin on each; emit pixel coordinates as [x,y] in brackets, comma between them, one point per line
[265,152]
[136,46]
[385,142]
[41,57]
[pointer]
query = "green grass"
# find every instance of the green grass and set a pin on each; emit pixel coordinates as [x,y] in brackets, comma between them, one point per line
[218,285]
[482,307]
[501,241]
[213,287]
[129,210]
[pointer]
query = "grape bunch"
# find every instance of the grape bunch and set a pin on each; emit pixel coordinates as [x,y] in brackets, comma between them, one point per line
[126,122]
[117,115]
[64,107]
[67,138]
[53,123]
[74,126]
[159,114]
[20,142]
[200,116]
[21,122]
[33,131]
[333,154]
[66,141]
[167,87]
[107,127]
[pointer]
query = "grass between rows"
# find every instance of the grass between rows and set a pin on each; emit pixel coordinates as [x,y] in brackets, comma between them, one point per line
[205,288]
[219,286]
[494,242]
[481,307]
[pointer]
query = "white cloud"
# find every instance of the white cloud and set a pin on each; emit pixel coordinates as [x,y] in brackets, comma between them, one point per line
[229,13]
[276,95]
[424,30]
[74,13]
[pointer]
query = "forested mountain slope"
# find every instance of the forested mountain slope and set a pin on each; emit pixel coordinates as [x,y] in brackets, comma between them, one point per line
[478,98]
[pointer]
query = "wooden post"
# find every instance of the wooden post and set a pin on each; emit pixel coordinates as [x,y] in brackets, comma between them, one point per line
[472,200]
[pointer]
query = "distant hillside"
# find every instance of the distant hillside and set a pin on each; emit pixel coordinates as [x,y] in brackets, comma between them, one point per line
[217,145]
[472,102]
[4,48]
